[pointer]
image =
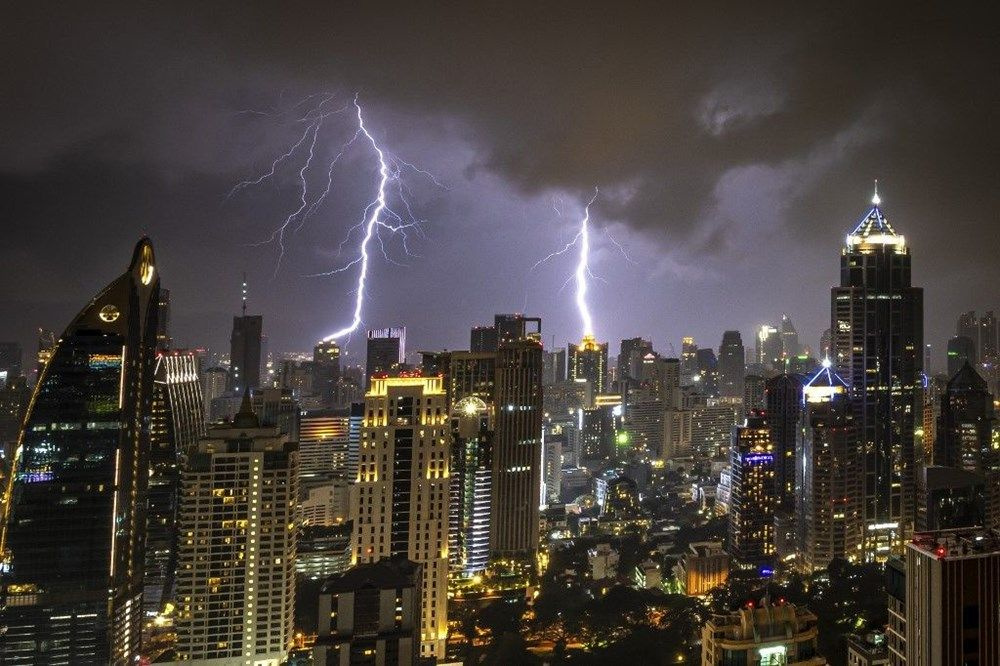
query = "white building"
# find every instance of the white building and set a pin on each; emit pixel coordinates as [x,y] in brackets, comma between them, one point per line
[236,552]
[603,560]
[400,505]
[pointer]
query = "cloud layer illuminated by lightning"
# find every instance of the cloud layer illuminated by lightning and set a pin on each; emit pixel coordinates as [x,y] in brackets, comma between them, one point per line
[378,216]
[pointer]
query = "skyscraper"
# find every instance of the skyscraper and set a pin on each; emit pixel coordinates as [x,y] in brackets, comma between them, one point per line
[770,348]
[386,351]
[752,500]
[163,339]
[827,517]
[951,599]
[75,523]
[630,355]
[245,352]
[967,326]
[789,338]
[236,559]
[177,421]
[961,350]
[708,373]
[483,339]
[326,371]
[10,361]
[988,341]
[732,365]
[877,323]
[471,486]
[401,503]
[46,345]
[589,360]
[517,452]
[554,363]
[689,360]
[783,404]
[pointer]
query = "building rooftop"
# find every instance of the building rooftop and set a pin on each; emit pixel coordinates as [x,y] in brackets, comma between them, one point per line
[958,543]
[386,573]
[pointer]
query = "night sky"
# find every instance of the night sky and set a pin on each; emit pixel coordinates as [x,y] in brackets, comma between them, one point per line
[734,149]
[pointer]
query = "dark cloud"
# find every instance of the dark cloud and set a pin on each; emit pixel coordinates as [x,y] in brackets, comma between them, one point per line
[725,137]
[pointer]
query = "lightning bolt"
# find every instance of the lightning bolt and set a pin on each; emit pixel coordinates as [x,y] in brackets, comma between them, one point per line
[378,216]
[581,241]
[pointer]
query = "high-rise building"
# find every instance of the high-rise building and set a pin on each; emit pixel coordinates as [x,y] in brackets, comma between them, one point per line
[236,560]
[278,407]
[754,392]
[370,614]
[961,350]
[703,569]
[14,397]
[46,346]
[789,338]
[770,348]
[10,362]
[74,529]
[588,360]
[732,365]
[324,443]
[783,404]
[952,578]
[554,367]
[712,430]
[988,341]
[245,352]
[631,353]
[599,427]
[877,322]
[766,634]
[644,425]
[163,339]
[213,385]
[386,351]
[967,326]
[471,486]
[707,379]
[177,421]
[400,506]
[483,339]
[951,498]
[471,374]
[689,360]
[752,501]
[827,516]
[517,451]
[513,327]
[326,371]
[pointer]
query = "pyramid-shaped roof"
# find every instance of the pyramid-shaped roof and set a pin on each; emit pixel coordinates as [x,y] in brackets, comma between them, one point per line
[967,378]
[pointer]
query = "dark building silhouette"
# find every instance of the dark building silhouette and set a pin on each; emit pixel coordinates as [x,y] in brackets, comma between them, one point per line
[951,498]
[630,355]
[483,339]
[369,610]
[245,352]
[386,351]
[732,365]
[961,350]
[11,361]
[163,339]
[75,526]
[877,323]
[326,371]
[965,424]
[783,405]
[708,372]
[517,451]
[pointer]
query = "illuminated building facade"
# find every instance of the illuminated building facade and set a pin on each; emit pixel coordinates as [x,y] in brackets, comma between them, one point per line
[517,451]
[767,635]
[401,504]
[689,360]
[74,533]
[702,569]
[471,374]
[386,351]
[828,517]
[712,430]
[732,365]
[752,501]
[588,360]
[324,441]
[370,614]
[177,421]
[951,599]
[471,487]
[877,323]
[236,559]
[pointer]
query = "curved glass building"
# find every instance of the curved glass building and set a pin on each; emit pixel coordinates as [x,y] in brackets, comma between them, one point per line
[73,531]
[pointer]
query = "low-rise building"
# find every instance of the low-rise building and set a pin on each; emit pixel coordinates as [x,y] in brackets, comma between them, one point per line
[763,635]
[702,569]
[869,649]
[603,560]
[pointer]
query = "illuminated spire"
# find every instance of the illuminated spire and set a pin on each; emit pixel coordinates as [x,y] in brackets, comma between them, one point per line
[876,200]
[244,294]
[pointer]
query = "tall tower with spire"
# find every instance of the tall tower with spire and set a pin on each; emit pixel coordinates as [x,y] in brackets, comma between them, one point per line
[245,344]
[877,343]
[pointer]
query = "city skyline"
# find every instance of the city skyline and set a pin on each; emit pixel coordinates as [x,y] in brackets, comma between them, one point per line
[729,175]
